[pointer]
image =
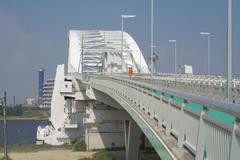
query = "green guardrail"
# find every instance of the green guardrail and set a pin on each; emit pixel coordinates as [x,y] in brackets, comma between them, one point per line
[223,117]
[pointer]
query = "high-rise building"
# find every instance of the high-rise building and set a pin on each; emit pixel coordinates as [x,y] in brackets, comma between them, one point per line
[47,92]
[40,81]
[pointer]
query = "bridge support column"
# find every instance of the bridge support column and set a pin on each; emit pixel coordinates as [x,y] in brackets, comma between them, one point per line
[132,139]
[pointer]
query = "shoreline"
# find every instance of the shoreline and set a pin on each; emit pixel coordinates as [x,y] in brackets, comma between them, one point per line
[10,118]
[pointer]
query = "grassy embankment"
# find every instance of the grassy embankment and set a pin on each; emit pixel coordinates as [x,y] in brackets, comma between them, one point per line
[24,148]
[100,155]
[75,146]
[23,113]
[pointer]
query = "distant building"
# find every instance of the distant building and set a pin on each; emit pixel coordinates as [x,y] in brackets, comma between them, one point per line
[32,101]
[185,69]
[40,81]
[45,90]
[48,86]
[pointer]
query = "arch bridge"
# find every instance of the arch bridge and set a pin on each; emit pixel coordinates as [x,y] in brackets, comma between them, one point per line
[183,117]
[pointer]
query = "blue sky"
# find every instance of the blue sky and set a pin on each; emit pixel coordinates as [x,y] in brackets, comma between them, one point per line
[33,34]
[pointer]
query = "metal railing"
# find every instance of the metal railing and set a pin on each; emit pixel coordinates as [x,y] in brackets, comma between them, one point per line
[212,86]
[208,128]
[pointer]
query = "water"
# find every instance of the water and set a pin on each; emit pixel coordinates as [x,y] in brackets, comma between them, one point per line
[21,131]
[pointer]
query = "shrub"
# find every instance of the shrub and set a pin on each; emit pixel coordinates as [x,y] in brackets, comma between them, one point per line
[79,145]
[85,159]
[8,158]
[100,155]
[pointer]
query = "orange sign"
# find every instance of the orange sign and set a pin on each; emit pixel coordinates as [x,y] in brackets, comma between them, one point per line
[130,71]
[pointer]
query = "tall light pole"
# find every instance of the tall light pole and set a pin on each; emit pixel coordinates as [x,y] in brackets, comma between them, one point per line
[151,46]
[175,54]
[122,17]
[208,36]
[140,69]
[229,55]
[3,104]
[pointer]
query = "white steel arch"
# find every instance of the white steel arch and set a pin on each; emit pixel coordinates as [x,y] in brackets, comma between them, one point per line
[93,51]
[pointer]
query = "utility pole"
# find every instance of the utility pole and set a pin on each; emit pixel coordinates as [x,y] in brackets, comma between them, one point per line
[122,44]
[151,39]
[5,98]
[104,54]
[175,54]
[3,103]
[208,34]
[229,55]
[14,101]
[122,18]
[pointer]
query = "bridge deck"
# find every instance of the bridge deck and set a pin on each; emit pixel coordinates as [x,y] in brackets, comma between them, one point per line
[170,141]
[175,127]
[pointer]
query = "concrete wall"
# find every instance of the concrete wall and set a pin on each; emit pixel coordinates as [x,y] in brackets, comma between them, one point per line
[104,140]
[57,104]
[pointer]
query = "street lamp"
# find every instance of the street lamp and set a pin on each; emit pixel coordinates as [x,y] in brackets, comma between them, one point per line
[175,53]
[3,105]
[208,36]
[229,55]
[151,40]
[122,17]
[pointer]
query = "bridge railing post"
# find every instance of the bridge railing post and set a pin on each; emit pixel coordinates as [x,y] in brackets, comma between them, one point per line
[182,127]
[137,96]
[160,120]
[122,87]
[168,122]
[201,136]
[235,141]
[142,99]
